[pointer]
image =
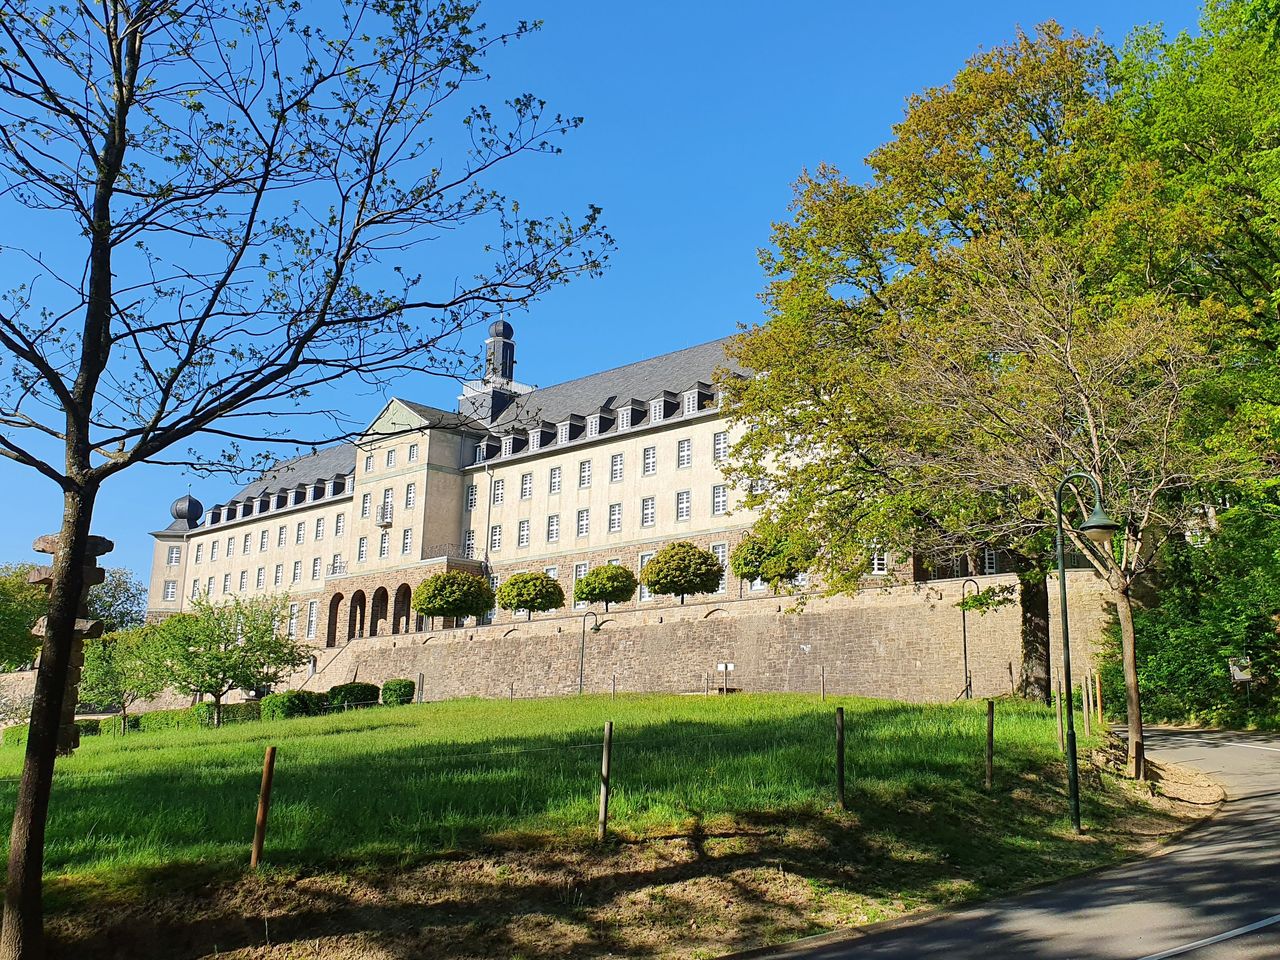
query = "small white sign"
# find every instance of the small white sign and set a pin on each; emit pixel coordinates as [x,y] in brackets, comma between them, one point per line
[1240,669]
[722,667]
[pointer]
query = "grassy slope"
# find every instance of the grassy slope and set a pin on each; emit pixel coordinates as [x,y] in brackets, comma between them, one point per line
[393,787]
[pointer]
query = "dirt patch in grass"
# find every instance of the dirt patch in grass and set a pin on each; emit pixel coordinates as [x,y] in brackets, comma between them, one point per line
[708,889]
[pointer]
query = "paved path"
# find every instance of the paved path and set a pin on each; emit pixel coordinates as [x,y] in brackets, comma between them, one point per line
[1213,896]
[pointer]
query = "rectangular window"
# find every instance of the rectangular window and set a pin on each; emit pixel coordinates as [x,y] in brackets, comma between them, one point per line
[248,543]
[655,411]
[562,433]
[526,486]
[615,517]
[579,571]
[508,446]
[312,607]
[522,533]
[650,461]
[584,473]
[648,511]
[315,568]
[387,494]
[339,524]
[552,572]
[989,564]
[719,500]
[362,550]
[366,504]
[615,468]
[555,480]
[683,501]
[406,540]
[593,426]
[384,544]
[244,580]
[410,496]
[644,591]
[624,418]
[171,589]
[720,446]
[413,453]
[281,534]
[195,588]
[368,463]
[535,439]
[208,588]
[293,619]
[391,458]
[263,539]
[261,580]
[691,402]
[553,528]
[471,496]
[879,562]
[213,551]
[469,544]
[231,546]
[175,555]
[499,491]
[684,453]
[319,528]
[584,522]
[721,552]
[297,571]
[279,575]
[300,534]
[199,550]
[495,537]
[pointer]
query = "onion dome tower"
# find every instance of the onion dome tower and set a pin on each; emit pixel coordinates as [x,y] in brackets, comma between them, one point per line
[187,509]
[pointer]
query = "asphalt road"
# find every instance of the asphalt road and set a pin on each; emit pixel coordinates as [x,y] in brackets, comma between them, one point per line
[1214,895]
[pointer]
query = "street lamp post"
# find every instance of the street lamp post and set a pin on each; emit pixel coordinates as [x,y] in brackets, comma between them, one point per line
[1099,528]
[964,634]
[582,652]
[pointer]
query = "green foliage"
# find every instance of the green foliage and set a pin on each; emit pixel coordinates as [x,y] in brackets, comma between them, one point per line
[90,727]
[120,601]
[21,604]
[398,692]
[681,569]
[990,598]
[353,695]
[15,736]
[124,667]
[453,593]
[772,554]
[610,583]
[186,718]
[293,703]
[535,592]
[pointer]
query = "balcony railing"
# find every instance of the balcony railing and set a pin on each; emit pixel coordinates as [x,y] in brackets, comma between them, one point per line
[385,514]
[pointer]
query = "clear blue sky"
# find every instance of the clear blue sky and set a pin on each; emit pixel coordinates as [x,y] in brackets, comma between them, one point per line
[699,115]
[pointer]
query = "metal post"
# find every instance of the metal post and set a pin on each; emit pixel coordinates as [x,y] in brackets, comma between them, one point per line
[991,742]
[1086,706]
[823,683]
[264,807]
[513,690]
[421,683]
[706,682]
[602,825]
[840,758]
[1062,746]
[964,634]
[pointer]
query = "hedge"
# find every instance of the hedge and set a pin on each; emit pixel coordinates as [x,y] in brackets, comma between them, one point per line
[91,727]
[154,720]
[397,692]
[353,695]
[293,703]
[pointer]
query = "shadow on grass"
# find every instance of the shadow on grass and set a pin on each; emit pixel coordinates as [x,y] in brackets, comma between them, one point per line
[740,794]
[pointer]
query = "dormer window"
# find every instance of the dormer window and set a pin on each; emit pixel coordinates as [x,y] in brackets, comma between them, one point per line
[535,440]
[508,445]
[690,402]
[480,453]
[655,410]
[562,432]
[593,426]
[624,418]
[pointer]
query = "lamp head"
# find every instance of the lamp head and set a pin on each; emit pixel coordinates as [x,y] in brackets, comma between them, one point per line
[1099,527]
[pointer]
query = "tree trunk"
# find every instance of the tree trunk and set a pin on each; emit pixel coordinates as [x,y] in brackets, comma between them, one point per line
[1136,767]
[217,709]
[124,721]
[22,935]
[1033,597]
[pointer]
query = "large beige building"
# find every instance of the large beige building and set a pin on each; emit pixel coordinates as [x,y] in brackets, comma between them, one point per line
[604,469]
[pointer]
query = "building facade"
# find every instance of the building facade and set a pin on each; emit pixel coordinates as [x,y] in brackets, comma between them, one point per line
[604,469]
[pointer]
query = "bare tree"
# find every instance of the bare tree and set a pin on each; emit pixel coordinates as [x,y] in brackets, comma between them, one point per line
[239,199]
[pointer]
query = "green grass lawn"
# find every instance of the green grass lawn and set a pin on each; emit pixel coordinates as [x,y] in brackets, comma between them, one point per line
[397,784]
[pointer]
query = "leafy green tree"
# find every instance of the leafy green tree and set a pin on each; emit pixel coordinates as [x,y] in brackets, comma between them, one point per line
[772,554]
[681,569]
[21,604]
[124,667]
[453,593]
[120,601]
[239,645]
[531,592]
[610,583]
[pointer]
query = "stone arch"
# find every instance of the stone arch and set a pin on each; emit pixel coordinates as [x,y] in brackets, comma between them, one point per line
[400,612]
[355,617]
[335,617]
[714,611]
[378,612]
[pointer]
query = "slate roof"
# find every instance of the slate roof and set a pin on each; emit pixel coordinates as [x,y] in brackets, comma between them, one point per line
[339,459]
[643,380]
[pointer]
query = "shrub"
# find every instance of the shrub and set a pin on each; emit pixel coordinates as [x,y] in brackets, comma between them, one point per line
[773,555]
[534,592]
[202,713]
[680,568]
[453,593]
[110,726]
[237,712]
[90,727]
[612,583]
[397,692]
[154,720]
[293,703]
[353,695]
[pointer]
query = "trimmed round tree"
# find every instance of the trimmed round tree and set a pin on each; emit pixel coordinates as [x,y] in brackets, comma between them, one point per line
[768,553]
[612,583]
[680,569]
[453,593]
[530,592]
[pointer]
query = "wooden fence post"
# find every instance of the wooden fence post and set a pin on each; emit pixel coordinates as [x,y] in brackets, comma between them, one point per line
[844,805]
[421,681]
[603,825]
[615,687]
[824,684]
[264,807]
[991,742]
[1085,706]
[1097,700]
